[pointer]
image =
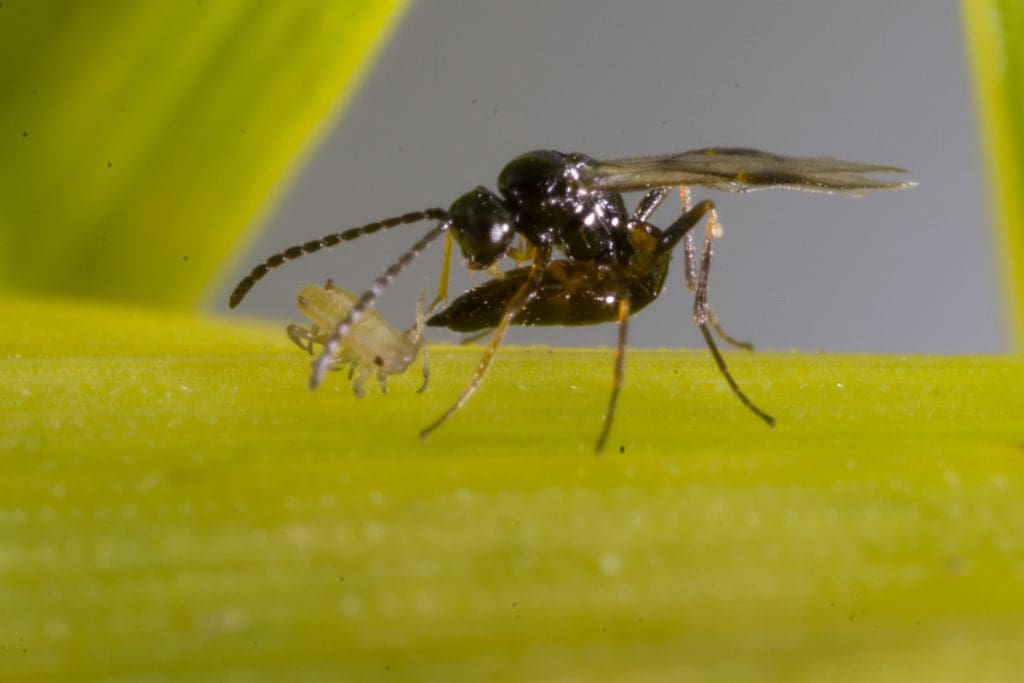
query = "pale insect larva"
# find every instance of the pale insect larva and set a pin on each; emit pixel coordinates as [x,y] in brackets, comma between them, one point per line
[373,344]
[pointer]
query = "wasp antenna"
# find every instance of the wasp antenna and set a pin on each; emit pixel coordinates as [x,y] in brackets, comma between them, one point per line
[341,330]
[326,242]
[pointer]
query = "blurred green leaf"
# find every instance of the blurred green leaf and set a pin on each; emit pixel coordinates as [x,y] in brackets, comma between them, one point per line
[139,140]
[995,37]
[177,505]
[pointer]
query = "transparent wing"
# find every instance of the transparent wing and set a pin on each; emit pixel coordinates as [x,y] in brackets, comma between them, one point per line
[739,170]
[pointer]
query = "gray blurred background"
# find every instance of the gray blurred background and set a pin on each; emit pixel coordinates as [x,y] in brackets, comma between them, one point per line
[462,87]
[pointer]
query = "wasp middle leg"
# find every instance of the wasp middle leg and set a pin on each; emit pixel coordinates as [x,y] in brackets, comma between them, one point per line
[693,282]
[526,292]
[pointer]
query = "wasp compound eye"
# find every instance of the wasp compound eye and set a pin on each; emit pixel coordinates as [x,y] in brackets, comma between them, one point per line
[482,226]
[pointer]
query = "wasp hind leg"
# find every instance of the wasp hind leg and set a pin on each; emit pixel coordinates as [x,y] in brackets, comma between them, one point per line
[702,314]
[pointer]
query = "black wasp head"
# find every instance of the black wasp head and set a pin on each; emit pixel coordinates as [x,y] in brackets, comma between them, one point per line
[482,226]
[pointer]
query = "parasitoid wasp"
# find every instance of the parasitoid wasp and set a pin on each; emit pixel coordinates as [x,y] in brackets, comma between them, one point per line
[613,262]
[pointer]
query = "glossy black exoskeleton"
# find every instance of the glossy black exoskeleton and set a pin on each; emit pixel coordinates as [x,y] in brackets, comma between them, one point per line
[612,262]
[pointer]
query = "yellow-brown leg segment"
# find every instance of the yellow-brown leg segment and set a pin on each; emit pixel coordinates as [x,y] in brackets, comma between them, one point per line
[523,295]
[443,277]
[620,364]
[523,251]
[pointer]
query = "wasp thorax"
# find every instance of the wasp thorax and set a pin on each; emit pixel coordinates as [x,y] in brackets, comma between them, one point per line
[482,226]
[532,174]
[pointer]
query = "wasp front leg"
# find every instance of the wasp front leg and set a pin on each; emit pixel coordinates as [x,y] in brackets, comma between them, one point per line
[443,278]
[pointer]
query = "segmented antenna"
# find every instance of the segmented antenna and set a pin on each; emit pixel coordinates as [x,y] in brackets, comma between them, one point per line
[326,242]
[331,345]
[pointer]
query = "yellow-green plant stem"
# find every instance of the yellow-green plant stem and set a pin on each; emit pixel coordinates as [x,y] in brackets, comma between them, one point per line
[140,140]
[995,37]
[176,505]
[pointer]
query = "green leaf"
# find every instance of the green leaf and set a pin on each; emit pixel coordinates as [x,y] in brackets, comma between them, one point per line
[177,505]
[141,139]
[995,36]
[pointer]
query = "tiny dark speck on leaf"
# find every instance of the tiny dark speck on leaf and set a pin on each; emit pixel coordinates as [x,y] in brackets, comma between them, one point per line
[110,164]
[184,258]
[24,133]
[622,448]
